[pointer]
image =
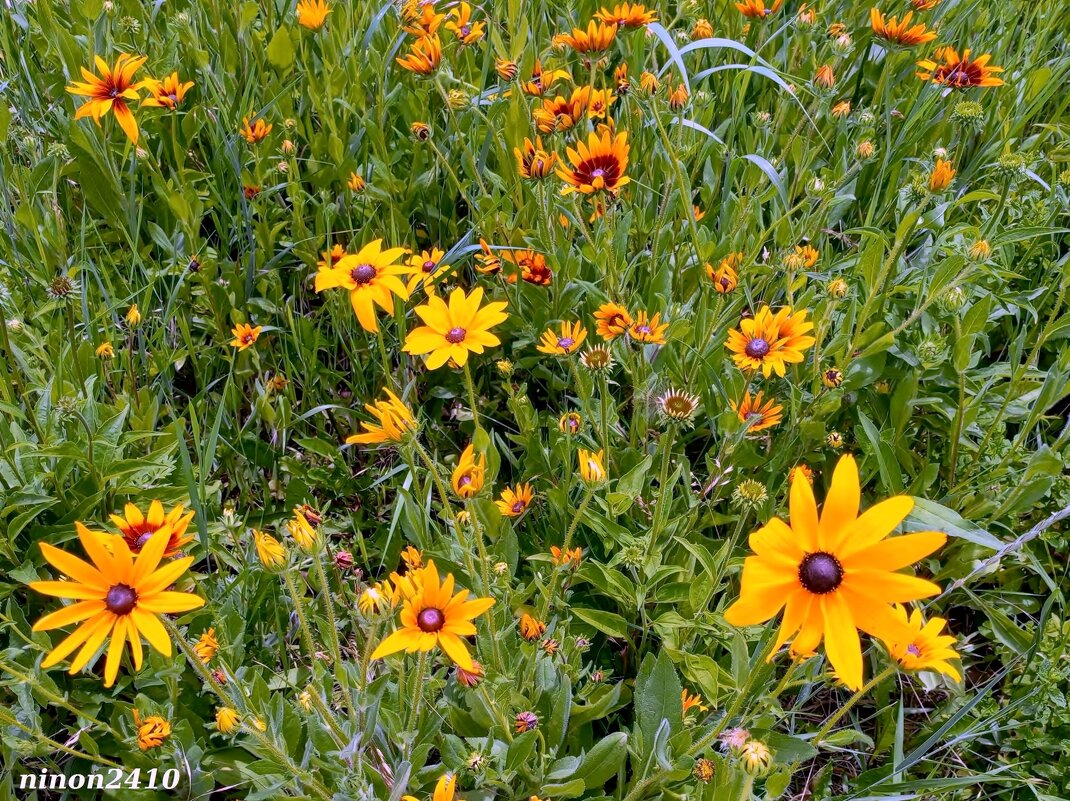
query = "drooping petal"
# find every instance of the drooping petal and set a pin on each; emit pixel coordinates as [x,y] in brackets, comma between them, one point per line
[68,645]
[841,640]
[455,649]
[154,631]
[78,569]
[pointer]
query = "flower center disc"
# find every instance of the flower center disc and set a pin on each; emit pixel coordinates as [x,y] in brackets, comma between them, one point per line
[141,541]
[431,620]
[820,573]
[363,273]
[757,348]
[566,342]
[518,507]
[913,650]
[429,266]
[455,335]
[121,599]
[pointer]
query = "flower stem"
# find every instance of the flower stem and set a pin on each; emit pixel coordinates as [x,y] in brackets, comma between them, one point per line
[544,607]
[471,394]
[484,568]
[302,619]
[854,699]
[332,629]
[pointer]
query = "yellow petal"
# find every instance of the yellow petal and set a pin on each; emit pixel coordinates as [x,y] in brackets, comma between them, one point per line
[69,614]
[841,640]
[150,626]
[841,503]
[76,568]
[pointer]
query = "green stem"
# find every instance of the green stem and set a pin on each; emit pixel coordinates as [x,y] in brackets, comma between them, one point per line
[302,618]
[470,384]
[552,588]
[332,629]
[484,569]
[854,699]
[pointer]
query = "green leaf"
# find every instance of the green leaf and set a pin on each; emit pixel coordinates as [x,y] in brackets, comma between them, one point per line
[657,697]
[606,622]
[602,762]
[931,516]
[280,50]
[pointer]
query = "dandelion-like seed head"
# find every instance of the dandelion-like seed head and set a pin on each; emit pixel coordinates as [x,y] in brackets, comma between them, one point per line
[678,406]
[749,494]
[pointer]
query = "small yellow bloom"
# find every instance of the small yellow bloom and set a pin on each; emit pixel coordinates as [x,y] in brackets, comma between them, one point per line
[168,93]
[692,702]
[152,732]
[226,719]
[572,557]
[702,30]
[567,341]
[592,466]
[423,57]
[303,532]
[570,423]
[133,316]
[270,551]
[312,14]
[468,475]
[356,183]
[255,132]
[245,336]
[207,646]
[941,176]
[105,351]
[515,501]
[531,628]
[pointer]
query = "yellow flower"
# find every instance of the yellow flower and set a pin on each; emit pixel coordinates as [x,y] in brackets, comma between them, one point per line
[421,130]
[597,37]
[133,316]
[379,598]
[372,278]
[445,789]
[832,377]
[312,14]
[702,30]
[467,478]
[423,57]
[804,471]
[541,81]
[255,132]
[627,15]
[206,646]
[597,166]
[120,593]
[168,93]
[137,528]
[835,573]
[959,72]
[692,701]
[756,415]
[420,18]
[925,648]
[110,92]
[434,616]
[105,350]
[755,757]
[825,78]
[395,420]
[303,531]
[570,423]
[941,176]
[452,330]
[592,466]
[460,22]
[412,557]
[507,70]
[356,183]
[533,162]
[648,82]
[152,732]
[648,330]
[807,255]
[270,552]
[768,342]
[245,336]
[531,628]
[567,341]
[756,9]
[226,719]
[724,278]
[612,320]
[423,270]
[897,32]
[678,98]
[514,502]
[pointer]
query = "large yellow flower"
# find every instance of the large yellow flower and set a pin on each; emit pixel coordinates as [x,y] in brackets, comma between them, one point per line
[138,528]
[597,166]
[768,342]
[395,420]
[435,617]
[926,648]
[959,72]
[110,92]
[899,32]
[834,574]
[120,594]
[451,330]
[564,342]
[372,278]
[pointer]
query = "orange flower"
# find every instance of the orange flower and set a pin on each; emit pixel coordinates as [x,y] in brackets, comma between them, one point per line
[897,32]
[756,9]
[648,329]
[959,72]
[568,341]
[423,57]
[460,22]
[941,176]
[245,336]
[612,320]
[561,113]
[257,132]
[541,81]
[597,166]
[598,37]
[137,528]
[627,15]
[757,415]
[825,77]
[533,162]
[110,92]
[769,342]
[515,501]
[168,93]
[533,268]
[573,556]
[530,627]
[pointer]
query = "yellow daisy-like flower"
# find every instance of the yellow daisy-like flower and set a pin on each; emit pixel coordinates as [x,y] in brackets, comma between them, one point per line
[312,14]
[226,719]
[152,732]
[435,617]
[897,32]
[245,336]
[395,421]
[515,501]
[597,166]
[627,15]
[138,528]
[959,72]
[168,93]
[756,415]
[561,558]
[757,9]
[120,594]
[453,330]
[206,646]
[379,597]
[270,552]
[597,37]
[531,628]
[724,277]
[926,648]
[533,162]
[467,478]
[105,350]
[835,573]
[460,23]
[372,278]
[612,320]
[446,788]
[542,80]
[692,702]
[567,341]
[768,342]
[592,466]
[110,91]
[423,57]
[423,270]
[648,330]
[255,132]
[303,531]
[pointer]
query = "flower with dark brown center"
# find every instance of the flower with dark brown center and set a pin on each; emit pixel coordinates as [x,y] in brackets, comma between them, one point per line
[820,573]
[431,620]
[121,599]
[455,335]
[363,273]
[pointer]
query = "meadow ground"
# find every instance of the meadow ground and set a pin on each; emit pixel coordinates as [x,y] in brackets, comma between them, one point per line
[426,400]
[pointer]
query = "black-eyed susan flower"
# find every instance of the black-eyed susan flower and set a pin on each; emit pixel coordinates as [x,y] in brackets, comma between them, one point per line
[531,628]
[168,93]
[959,71]
[899,32]
[424,271]
[769,342]
[806,16]
[533,267]
[421,131]
[678,98]
[459,21]
[597,37]
[487,261]
[469,678]
[925,648]
[138,528]
[837,288]
[704,770]
[152,732]
[841,110]
[226,719]
[570,423]
[835,440]
[627,15]
[592,466]
[566,558]
[533,162]
[120,594]
[356,183]
[612,320]
[824,77]
[245,336]
[832,377]
[303,531]
[941,176]
[565,341]
[133,316]
[648,330]
[413,557]
[270,552]
[423,57]
[525,721]
[255,131]
[757,415]
[597,165]
[110,91]
[380,597]
[980,250]
[445,790]
[372,277]
[467,477]
[757,9]
[724,277]
[394,420]
[835,573]
[514,501]
[435,617]
[206,646]
[561,113]
[702,30]
[648,82]
[453,330]
[621,80]
[507,70]
[312,14]
[420,18]
[597,359]
[541,80]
